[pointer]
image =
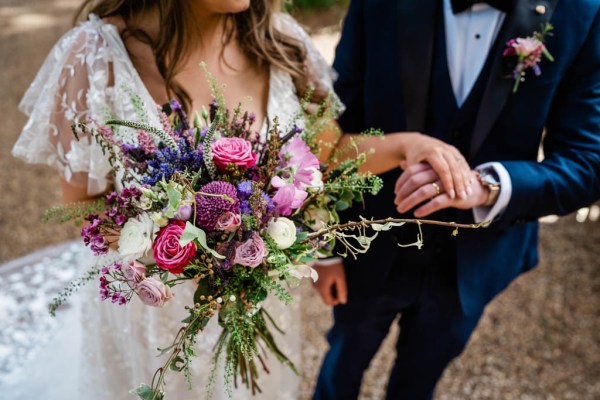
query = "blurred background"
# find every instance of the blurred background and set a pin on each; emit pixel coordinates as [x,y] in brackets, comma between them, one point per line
[540,339]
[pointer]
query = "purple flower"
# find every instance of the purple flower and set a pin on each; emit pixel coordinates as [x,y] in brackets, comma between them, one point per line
[251,253]
[245,189]
[210,208]
[228,222]
[288,197]
[184,212]
[120,219]
[153,292]
[297,156]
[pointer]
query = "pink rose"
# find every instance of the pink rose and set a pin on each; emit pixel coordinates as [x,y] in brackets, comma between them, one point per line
[134,271]
[287,198]
[233,150]
[228,222]
[153,292]
[251,252]
[527,46]
[168,253]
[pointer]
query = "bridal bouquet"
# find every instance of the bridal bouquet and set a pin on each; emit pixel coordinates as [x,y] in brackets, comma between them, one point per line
[212,202]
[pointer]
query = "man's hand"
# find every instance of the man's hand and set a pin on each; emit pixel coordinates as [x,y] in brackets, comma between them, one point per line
[420,184]
[331,284]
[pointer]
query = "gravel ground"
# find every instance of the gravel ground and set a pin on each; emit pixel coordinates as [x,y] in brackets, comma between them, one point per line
[540,339]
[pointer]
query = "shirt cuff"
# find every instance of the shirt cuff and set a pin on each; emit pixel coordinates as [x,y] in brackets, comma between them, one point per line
[481,214]
[326,262]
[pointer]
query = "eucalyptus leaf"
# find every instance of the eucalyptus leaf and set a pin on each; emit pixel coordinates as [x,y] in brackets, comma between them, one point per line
[194,234]
[145,392]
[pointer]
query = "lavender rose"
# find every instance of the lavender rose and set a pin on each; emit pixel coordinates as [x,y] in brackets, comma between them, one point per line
[153,292]
[228,222]
[233,150]
[134,271]
[251,252]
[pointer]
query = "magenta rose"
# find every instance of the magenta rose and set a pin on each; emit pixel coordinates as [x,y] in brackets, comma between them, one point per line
[134,271]
[168,253]
[233,150]
[153,292]
[251,252]
[228,222]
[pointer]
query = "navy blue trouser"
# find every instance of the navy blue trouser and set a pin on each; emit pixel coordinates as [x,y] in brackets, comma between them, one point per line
[421,288]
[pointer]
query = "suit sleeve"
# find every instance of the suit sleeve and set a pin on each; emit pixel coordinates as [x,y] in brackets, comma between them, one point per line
[569,176]
[349,64]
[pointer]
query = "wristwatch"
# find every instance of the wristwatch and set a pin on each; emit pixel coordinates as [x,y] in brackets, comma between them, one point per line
[489,179]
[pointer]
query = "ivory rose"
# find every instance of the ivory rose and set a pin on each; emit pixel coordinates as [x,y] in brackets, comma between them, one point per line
[137,236]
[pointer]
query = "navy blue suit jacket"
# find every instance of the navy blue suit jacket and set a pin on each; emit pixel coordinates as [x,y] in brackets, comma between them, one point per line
[384,65]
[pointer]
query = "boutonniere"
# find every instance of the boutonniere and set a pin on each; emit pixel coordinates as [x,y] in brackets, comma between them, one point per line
[529,52]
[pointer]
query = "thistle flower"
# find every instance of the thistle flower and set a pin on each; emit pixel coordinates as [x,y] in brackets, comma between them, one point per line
[211,203]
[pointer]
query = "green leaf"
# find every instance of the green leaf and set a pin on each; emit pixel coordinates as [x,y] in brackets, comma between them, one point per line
[202,290]
[194,234]
[347,196]
[341,205]
[145,392]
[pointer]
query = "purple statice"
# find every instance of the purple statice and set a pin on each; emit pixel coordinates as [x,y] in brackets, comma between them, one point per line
[209,208]
[167,161]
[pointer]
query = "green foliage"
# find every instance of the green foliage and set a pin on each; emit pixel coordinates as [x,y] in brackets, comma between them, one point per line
[71,289]
[74,212]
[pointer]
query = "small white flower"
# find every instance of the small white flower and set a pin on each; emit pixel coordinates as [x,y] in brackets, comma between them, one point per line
[232,298]
[283,232]
[137,236]
[145,203]
[219,300]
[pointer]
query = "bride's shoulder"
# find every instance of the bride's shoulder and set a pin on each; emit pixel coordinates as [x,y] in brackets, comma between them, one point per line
[89,36]
[288,25]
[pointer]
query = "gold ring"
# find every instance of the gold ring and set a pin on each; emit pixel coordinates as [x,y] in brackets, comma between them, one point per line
[437,188]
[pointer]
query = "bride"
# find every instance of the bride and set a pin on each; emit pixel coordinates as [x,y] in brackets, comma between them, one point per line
[151,49]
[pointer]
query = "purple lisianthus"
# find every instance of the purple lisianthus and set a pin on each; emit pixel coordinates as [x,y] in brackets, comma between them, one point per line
[184,212]
[251,253]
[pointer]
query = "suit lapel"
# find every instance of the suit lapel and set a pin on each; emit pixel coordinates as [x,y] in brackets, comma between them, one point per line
[416,25]
[522,22]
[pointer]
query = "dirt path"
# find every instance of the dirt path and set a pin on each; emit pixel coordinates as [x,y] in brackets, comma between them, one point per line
[539,340]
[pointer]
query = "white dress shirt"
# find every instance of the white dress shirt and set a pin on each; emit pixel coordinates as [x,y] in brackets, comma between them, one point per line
[469,36]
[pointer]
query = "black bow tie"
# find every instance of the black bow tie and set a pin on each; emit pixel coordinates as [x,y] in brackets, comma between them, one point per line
[462,5]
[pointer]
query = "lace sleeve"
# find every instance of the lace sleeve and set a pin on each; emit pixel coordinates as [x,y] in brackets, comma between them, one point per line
[321,75]
[72,84]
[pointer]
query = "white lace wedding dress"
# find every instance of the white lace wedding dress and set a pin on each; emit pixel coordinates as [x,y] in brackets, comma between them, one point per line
[93,349]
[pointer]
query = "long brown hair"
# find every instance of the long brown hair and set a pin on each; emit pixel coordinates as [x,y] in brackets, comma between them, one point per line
[253,29]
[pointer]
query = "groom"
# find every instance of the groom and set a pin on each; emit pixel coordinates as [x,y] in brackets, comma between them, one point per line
[437,67]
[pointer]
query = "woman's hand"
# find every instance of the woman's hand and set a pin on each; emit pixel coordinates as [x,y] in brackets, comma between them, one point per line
[446,161]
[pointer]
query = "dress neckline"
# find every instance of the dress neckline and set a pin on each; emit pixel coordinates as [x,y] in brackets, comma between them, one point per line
[115,40]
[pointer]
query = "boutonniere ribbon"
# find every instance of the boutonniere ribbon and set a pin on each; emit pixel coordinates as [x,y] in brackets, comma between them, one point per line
[529,52]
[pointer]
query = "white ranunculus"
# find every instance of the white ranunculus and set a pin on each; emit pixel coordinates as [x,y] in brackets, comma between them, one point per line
[316,218]
[137,236]
[283,232]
